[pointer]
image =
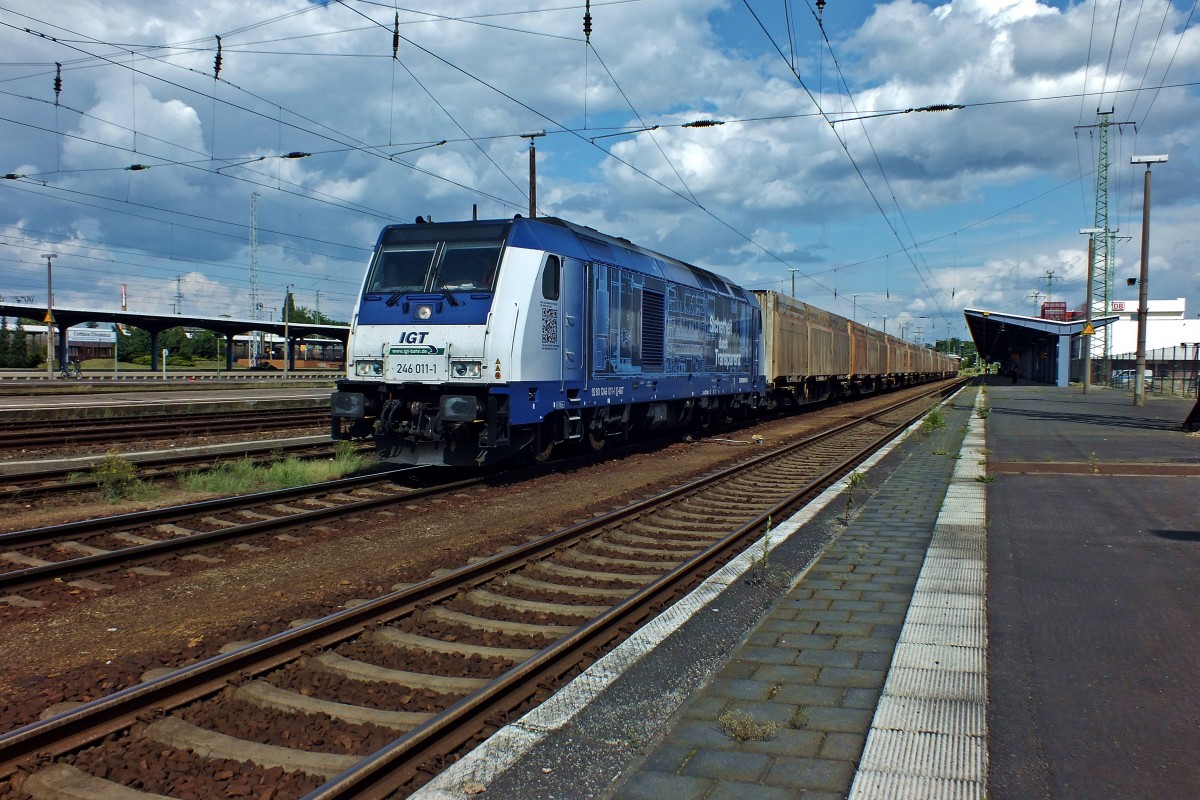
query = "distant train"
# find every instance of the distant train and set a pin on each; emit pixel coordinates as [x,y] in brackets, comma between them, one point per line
[474,342]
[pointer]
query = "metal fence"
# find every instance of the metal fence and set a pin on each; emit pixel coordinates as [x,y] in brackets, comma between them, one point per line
[1169,370]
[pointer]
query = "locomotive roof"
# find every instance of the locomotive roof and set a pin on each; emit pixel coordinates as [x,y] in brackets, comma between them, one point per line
[579,241]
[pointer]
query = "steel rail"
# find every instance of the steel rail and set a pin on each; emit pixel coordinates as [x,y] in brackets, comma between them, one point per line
[387,771]
[23,419]
[91,722]
[39,483]
[117,429]
[15,579]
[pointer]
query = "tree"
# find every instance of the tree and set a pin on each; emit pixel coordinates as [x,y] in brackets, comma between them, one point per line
[204,344]
[19,355]
[135,345]
[179,343]
[305,315]
[959,347]
[5,344]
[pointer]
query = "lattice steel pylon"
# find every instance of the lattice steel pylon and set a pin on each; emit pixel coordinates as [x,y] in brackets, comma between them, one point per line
[254,255]
[1102,263]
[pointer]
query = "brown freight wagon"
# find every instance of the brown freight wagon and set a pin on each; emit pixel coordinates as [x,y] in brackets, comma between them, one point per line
[811,355]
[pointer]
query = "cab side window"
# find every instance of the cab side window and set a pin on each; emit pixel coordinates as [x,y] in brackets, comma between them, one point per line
[550,273]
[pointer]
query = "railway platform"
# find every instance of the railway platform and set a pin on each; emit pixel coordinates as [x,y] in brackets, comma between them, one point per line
[1002,605]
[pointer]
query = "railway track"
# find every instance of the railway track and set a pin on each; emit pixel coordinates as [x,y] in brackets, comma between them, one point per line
[42,564]
[372,700]
[113,552]
[29,435]
[160,466]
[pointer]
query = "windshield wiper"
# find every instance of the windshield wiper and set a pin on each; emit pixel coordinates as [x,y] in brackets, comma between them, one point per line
[395,298]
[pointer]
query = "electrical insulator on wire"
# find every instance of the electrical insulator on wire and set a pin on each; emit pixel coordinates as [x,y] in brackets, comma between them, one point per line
[587,21]
[57,81]
[396,38]
[217,60]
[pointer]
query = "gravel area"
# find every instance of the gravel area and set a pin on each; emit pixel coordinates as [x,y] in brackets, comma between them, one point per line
[180,619]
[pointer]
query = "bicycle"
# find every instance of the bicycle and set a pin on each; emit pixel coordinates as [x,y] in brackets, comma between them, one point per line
[69,370]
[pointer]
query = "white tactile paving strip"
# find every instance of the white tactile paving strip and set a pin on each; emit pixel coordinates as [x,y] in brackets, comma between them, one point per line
[928,739]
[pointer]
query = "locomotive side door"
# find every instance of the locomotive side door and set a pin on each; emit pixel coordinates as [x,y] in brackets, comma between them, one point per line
[574,291]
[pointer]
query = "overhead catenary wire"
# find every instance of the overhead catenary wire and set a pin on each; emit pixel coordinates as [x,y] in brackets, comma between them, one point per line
[480,138]
[438,103]
[883,173]
[853,162]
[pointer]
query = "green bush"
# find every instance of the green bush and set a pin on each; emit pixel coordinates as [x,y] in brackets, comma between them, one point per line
[116,477]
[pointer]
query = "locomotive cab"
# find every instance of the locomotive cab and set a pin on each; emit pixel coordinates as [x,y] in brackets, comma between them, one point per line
[416,374]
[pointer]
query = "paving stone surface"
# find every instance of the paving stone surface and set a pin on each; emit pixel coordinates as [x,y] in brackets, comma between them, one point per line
[789,714]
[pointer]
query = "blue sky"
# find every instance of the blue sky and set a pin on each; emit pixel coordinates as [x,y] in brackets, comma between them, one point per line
[905,216]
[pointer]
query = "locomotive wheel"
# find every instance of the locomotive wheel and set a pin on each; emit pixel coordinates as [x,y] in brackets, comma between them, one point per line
[543,442]
[596,440]
[596,432]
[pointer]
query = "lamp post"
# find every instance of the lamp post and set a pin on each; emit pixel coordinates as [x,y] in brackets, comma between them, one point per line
[531,136]
[1086,338]
[1139,377]
[49,314]
[793,270]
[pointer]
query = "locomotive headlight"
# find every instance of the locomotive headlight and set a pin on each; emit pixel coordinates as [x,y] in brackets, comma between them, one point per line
[466,369]
[424,312]
[368,369]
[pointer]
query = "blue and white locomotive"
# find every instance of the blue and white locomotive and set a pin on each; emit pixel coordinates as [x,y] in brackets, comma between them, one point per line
[476,341]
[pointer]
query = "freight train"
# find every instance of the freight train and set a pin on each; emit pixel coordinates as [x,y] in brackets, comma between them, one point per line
[474,342]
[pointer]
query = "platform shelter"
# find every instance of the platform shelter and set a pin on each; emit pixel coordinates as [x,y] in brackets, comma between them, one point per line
[1041,349]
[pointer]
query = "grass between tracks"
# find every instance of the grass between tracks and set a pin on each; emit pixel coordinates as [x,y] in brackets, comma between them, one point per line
[241,477]
[117,477]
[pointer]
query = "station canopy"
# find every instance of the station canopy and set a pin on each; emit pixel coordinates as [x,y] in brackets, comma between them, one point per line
[1042,347]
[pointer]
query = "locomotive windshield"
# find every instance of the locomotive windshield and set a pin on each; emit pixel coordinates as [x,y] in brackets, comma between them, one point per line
[437,258]
[401,269]
[467,267]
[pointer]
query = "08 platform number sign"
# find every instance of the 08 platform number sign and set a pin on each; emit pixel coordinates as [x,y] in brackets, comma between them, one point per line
[549,326]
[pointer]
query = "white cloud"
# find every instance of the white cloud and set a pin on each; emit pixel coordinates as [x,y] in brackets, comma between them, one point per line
[323,82]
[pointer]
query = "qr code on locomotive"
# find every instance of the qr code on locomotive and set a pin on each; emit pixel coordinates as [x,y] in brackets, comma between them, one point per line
[549,325]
